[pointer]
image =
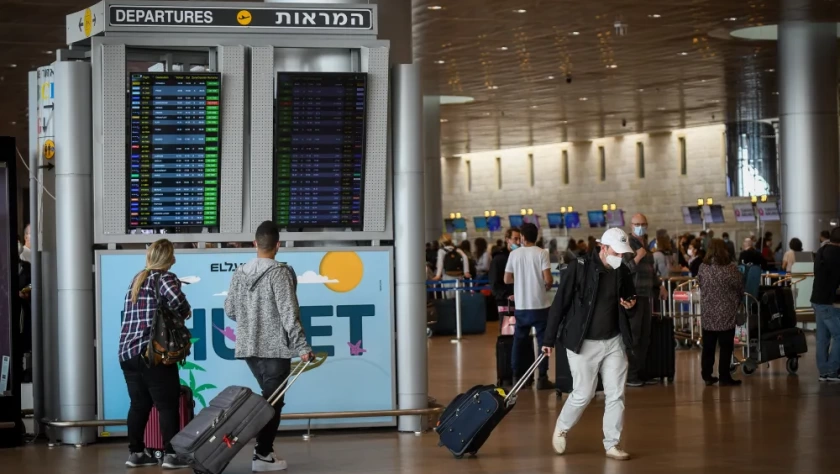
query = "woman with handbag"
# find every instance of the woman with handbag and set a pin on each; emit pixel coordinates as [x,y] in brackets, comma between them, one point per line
[153,300]
[721,293]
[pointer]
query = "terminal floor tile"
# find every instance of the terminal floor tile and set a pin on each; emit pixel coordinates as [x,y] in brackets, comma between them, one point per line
[774,423]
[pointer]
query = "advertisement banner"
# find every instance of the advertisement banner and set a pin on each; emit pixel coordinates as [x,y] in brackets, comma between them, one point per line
[744,212]
[768,211]
[346,311]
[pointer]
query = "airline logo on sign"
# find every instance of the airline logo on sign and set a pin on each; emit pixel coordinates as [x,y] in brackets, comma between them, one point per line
[224,17]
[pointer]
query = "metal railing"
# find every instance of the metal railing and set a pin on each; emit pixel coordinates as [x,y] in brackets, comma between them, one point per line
[432,410]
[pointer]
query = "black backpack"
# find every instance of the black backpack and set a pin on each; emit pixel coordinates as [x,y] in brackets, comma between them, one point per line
[453,264]
[170,338]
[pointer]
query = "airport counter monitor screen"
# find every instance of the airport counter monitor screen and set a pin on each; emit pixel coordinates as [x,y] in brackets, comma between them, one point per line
[173,166]
[319,166]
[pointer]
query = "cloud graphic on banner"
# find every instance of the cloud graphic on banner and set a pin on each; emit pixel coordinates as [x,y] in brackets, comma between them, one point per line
[190,280]
[310,277]
[224,293]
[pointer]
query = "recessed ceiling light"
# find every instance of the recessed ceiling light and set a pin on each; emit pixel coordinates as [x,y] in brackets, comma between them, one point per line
[502,48]
[771,70]
[494,87]
[13,65]
[655,15]
[660,109]
[564,122]
[444,120]
[535,106]
[13,123]
[583,99]
[49,51]
[440,61]
[575,33]
[731,18]
[521,10]
[487,114]
[640,90]
[775,93]
[683,53]
[612,66]
[435,7]
[550,77]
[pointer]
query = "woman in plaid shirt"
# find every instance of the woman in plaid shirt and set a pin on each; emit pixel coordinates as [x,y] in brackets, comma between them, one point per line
[148,385]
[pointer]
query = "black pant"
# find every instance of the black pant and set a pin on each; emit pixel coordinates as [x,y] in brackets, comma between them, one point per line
[158,385]
[270,373]
[640,328]
[726,341]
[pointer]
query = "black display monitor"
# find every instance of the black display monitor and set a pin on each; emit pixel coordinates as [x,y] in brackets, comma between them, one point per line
[174,152]
[320,150]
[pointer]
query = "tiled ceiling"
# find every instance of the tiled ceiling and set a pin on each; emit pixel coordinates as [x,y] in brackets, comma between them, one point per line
[514,58]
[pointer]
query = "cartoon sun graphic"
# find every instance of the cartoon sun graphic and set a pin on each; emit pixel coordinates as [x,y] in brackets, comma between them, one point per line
[345,268]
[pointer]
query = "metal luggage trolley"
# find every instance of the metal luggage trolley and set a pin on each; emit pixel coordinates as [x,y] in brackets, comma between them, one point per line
[685,307]
[752,355]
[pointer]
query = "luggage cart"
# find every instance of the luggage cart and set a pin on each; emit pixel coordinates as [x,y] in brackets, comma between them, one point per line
[685,306]
[754,355]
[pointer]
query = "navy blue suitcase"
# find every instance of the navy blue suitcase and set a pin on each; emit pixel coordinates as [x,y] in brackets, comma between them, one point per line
[471,417]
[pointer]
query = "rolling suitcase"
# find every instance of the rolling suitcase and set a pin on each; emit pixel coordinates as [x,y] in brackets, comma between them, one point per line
[468,421]
[153,437]
[233,418]
[661,356]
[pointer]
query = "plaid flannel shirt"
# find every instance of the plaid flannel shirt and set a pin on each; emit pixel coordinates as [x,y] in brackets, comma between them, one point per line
[138,316]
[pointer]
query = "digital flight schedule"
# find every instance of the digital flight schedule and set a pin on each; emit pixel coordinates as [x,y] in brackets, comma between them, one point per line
[174,150]
[320,149]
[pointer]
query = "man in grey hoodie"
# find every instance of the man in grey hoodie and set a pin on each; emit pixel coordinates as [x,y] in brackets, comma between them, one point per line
[262,301]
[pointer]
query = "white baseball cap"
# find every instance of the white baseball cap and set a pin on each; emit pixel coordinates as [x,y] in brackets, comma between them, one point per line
[616,239]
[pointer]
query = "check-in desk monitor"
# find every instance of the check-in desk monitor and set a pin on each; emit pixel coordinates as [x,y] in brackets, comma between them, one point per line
[320,150]
[174,152]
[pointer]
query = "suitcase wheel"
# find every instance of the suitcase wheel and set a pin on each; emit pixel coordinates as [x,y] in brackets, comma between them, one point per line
[158,454]
[792,365]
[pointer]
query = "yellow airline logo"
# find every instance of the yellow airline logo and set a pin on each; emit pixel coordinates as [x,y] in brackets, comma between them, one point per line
[244,18]
[49,149]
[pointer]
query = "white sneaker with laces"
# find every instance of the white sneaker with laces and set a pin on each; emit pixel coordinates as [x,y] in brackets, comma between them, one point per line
[269,463]
[559,441]
[617,453]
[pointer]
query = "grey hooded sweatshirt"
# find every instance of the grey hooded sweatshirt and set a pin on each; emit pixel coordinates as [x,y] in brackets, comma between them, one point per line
[262,301]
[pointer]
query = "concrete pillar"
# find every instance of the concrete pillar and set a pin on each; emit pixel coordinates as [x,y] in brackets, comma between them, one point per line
[74,223]
[412,365]
[808,124]
[433,180]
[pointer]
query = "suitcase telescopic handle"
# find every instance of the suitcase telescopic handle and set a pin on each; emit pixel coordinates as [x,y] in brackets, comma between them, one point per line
[511,396]
[287,384]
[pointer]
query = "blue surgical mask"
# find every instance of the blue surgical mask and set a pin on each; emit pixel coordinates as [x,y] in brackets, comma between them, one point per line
[639,230]
[514,246]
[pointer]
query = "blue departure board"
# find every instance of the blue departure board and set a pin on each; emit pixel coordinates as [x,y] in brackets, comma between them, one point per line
[320,150]
[173,166]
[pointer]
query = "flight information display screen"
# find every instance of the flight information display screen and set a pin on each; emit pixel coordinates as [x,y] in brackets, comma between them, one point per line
[173,166]
[320,155]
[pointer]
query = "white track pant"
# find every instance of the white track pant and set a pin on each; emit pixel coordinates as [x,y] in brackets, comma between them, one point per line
[608,358]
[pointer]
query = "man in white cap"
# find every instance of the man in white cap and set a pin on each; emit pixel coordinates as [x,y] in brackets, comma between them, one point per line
[594,304]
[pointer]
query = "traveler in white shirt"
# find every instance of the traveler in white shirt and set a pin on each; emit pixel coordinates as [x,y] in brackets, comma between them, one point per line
[529,270]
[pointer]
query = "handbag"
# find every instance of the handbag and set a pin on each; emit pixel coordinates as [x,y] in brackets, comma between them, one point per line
[170,338]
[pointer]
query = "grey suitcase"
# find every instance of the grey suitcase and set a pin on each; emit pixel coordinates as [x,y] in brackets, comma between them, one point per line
[233,418]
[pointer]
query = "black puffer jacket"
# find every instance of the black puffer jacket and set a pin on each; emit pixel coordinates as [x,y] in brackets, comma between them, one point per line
[571,312]
[501,290]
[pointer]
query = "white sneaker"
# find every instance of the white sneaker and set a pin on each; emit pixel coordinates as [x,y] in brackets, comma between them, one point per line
[559,441]
[617,453]
[269,463]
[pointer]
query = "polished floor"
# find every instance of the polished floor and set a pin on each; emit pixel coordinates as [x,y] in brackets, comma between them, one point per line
[774,423]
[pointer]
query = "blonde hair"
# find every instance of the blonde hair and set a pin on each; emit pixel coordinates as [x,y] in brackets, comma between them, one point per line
[159,256]
[445,240]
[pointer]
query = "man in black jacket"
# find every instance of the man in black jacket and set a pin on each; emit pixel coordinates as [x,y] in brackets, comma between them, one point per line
[502,291]
[591,317]
[823,298]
